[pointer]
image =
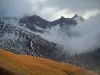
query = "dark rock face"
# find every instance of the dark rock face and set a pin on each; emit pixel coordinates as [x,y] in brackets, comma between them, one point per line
[35,20]
[65,21]
[31,21]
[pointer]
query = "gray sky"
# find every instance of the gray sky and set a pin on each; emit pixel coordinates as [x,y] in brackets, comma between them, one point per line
[50,9]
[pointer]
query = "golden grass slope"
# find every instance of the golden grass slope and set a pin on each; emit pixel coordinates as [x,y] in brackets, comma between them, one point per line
[12,64]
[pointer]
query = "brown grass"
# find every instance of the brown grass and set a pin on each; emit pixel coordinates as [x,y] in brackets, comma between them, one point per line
[27,65]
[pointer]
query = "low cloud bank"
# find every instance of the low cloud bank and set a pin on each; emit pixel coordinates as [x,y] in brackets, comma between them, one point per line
[83,38]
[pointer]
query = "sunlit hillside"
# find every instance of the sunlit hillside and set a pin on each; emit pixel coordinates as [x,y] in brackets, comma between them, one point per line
[12,64]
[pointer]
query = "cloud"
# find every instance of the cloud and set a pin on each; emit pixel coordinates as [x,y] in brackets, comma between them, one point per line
[75,4]
[50,9]
[85,8]
[85,37]
[19,8]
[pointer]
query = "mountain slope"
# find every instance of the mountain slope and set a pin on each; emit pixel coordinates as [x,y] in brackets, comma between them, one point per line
[19,36]
[12,64]
[21,40]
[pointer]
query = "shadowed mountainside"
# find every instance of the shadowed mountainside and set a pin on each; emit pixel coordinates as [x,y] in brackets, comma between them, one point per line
[12,64]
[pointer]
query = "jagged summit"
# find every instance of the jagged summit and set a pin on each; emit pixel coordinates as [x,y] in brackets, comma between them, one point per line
[34,20]
[75,16]
[78,18]
[36,17]
[62,17]
[65,21]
